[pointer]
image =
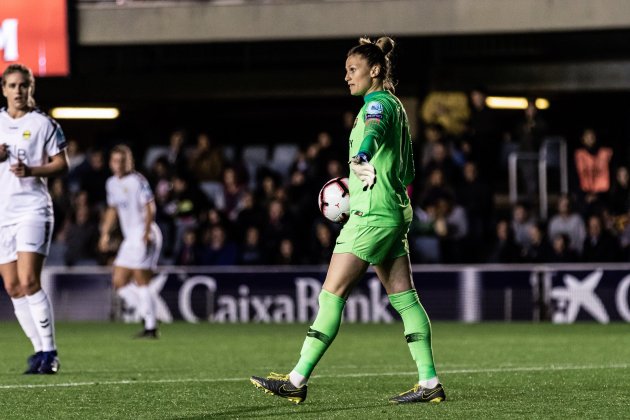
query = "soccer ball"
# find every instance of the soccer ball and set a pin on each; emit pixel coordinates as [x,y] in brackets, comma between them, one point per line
[334,200]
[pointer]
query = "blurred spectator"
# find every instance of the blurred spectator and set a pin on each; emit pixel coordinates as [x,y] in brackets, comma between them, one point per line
[176,155]
[476,199]
[233,192]
[483,135]
[522,221]
[251,250]
[434,189]
[323,244]
[186,203]
[569,223]
[62,206]
[216,248]
[599,245]
[75,156]
[81,236]
[451,226]
[505,249]
[276,227]
[560,251]
[529,134]
[538,249]
[206,159]
[286,253]
[190,251]
[93,174]
[592,163]
[441,159]
[619,195]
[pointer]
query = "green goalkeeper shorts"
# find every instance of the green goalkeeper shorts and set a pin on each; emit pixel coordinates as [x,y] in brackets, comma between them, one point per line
[373,244]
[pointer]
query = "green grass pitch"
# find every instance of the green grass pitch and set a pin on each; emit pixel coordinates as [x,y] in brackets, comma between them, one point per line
[490,370]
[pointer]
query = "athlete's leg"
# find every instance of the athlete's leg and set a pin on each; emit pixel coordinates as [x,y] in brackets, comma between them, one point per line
[344,272]
[29,269]
[395,274]
[147,304]
[20,303]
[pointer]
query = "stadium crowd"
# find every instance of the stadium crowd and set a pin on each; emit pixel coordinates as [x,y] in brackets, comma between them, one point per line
[223,205]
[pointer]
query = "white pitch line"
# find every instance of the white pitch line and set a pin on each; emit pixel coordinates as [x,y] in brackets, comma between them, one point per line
[344,375]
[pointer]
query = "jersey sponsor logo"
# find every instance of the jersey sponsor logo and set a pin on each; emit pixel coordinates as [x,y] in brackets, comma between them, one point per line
[26,134]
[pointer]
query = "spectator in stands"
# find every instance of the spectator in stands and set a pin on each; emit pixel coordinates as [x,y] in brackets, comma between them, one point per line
[301,196]
[593,163]
[482,135]
[190,251]
[206,159]
[619,196]
[286,254]
[505,249]
[176,154]
[186,203]
[93,174]
[476,199]
[267,188]
[278,225]
[569,223]
[75,156]
[233,190]
[538,249]
[435,188]
[323,244]
[441,159]
[81,237]
[529,134]
[451,227]
[560,251]
[62,206]
[599,245]
[522,221]
[251,252]
[216,248]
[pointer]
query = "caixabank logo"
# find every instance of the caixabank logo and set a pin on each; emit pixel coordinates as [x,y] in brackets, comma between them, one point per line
[597,295]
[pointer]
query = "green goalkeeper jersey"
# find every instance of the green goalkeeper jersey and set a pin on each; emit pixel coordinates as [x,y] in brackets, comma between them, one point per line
[381,131]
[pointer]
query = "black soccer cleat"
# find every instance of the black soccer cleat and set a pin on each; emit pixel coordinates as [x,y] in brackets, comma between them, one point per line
[419,394]
[150,334]
[49,363]
[277,384]
[34,361]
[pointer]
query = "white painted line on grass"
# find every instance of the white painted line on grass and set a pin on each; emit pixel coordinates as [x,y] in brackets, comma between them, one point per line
[343,375]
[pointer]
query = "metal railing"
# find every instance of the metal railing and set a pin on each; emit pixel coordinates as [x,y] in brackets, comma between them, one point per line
[544,159]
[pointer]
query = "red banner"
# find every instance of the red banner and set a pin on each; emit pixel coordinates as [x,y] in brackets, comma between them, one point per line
[35,33]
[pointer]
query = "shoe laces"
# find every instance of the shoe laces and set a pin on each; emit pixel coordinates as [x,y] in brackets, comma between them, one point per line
[278,376]
[413,390]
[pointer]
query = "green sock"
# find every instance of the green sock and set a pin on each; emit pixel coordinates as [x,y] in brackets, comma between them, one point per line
[417,331]
[322,332]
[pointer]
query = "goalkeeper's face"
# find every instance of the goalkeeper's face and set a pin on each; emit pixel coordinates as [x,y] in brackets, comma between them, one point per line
[360,77]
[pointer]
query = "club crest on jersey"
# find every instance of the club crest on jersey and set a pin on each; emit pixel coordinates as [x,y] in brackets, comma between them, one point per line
[374,110]
[26,135]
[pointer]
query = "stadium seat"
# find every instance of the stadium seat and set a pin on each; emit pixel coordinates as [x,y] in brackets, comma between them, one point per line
[214,191]
[152,154]
[283,156]
[254,156]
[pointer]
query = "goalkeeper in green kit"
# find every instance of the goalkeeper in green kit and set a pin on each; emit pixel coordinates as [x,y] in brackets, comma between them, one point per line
[381,164]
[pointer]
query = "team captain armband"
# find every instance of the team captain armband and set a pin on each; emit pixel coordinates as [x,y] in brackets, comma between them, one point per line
[374,112]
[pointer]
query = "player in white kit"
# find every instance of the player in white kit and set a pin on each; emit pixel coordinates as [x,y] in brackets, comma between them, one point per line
[129,198]
[32,148]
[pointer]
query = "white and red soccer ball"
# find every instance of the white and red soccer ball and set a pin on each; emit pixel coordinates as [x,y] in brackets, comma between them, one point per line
[334,200]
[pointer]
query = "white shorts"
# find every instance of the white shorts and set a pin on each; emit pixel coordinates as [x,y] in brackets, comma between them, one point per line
[135,254]
[27,236]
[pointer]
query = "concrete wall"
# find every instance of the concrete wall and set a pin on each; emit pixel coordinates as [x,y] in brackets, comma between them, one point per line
[173,22]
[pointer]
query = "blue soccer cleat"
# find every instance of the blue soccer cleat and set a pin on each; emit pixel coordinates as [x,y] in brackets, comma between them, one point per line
[49,363]
[34,361]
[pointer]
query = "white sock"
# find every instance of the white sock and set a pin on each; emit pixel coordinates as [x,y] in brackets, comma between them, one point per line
[23,314]
[297,380]
[147,307]
[129,295]
[42,314]
[429,383]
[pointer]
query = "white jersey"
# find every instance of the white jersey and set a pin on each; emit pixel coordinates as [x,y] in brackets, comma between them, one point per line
[33,139]
[129,195]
